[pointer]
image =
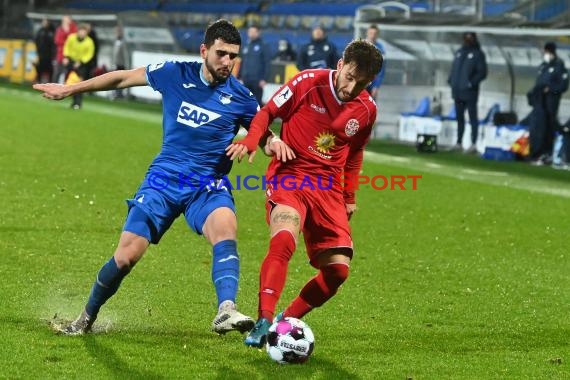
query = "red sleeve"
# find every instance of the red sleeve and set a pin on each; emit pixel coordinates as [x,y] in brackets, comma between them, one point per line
[257,129]
[354,160]
[351,172]
[282,104]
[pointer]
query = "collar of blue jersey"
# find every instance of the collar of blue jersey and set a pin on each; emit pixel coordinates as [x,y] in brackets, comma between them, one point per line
[202,76]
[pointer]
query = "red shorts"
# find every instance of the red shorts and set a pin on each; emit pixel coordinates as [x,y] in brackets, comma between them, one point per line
[324,222]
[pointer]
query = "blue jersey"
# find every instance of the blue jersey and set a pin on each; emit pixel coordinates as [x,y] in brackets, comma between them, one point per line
[378,79]
[199,120]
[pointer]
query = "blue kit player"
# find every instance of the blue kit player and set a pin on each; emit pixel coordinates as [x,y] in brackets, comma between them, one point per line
[203,108]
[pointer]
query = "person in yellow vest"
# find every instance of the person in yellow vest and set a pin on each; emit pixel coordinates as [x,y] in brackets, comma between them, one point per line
[78,52]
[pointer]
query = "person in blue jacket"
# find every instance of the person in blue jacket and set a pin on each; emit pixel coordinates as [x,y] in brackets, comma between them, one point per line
[372,36]
[319,53]
[255,63]
[551,82]
[468,70]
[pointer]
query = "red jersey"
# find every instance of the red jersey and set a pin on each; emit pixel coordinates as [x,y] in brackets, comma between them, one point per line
[327,135]
[60,38]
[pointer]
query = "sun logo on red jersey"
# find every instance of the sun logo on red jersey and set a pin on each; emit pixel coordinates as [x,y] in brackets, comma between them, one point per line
[325,142]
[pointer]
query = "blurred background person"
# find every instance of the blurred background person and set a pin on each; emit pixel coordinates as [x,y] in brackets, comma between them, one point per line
[94,62]
[45,47]
[285,52]
[120,58]
[255,61]
[78,51]
[318,53]
[372,36]
[551,82]
[63,31]
[468,70]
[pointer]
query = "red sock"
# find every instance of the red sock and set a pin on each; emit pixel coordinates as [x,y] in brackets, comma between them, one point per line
[274,272]
[318,290]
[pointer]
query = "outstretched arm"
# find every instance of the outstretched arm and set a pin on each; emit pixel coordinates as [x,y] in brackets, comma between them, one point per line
[109,81]
[258,129]
[260,135]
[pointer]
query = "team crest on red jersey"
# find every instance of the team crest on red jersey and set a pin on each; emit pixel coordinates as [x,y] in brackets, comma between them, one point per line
[351,127]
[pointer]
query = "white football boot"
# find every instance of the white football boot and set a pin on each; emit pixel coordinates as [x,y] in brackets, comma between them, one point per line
[80,326]
[229,319]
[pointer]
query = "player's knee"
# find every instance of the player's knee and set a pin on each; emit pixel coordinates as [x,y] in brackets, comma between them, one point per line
[282,245]
[335,274]
[220,225]
[221,234]
[128,253]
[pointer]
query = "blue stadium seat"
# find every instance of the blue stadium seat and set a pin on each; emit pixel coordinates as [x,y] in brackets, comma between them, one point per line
[115,6]
[451,115]
[312,9]
[189,38]
[209,7]
[423,108]
[492,111]
[343,23]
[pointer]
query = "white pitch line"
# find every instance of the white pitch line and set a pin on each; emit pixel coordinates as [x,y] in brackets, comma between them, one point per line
[88,107]
[493,178]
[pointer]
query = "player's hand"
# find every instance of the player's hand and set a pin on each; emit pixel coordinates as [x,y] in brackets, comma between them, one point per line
[350,209]
[276,147]
[54,91]
[239,150]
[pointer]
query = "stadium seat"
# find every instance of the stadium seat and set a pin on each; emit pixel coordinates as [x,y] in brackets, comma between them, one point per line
[451,115]
[307,22]
[326,22]
[292,22]
[489,117]
[277,21]
[423,108]
[343,23]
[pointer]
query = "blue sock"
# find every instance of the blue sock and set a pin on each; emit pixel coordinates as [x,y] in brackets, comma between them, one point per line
[225,270]
[108,280]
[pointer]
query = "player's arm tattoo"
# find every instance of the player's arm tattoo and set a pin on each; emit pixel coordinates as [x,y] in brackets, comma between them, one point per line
[286,218]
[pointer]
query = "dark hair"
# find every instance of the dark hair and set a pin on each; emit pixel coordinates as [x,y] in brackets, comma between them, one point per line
[366,57]
[224,30]
[550,47]
[373,26]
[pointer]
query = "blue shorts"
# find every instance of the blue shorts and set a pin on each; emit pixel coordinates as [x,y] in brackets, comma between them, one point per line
[153,209]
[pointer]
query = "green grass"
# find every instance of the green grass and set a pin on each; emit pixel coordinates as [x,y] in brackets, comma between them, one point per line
[464,278]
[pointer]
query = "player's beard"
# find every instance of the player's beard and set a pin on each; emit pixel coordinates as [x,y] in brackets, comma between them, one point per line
[218,75]
[344,96]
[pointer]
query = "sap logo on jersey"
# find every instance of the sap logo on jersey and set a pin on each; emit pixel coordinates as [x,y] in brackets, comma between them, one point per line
[194,116]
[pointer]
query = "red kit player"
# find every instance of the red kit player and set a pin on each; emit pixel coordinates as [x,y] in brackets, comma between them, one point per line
[327,120]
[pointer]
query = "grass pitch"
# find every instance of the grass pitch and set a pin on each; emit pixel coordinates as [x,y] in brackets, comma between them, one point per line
[464,278]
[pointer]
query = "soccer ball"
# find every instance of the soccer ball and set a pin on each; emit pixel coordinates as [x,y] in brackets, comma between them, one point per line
[290,340]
